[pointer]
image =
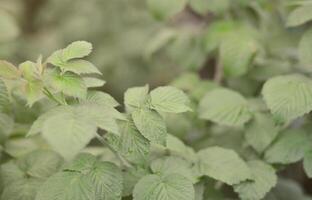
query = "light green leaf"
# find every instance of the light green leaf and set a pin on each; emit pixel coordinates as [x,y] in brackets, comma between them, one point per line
[9,27]
[164,9]
[169,165]
[151,125]
[80,67]
[225,107]
[136,96]
[170,187]
[305,50]
[300,16]
[215,6]
[101,98]
[288,96]
[223,165]
[130,144]
[131,177]
[261,132]
[78,49]
[169,99]
[93,82]
[307,163]
[289,148]
[4,97]
[33,91]
[69,83]
[264,179]
[88,181]
[6,124]
[8,70]
[30,71]
[237,51]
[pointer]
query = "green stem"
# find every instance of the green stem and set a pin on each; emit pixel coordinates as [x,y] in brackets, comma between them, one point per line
[123,162]
[52,97]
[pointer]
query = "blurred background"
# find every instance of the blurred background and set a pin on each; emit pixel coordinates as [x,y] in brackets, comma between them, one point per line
[137,42]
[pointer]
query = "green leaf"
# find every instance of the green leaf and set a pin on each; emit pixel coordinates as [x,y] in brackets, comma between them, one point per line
[223,165]
[6,124]
[305,50]
[307,163]
[136,96]
[101,98]
[8,70]
[300,16]
[30,71]
[215,6]
[131,177]
[78,49]
[164,9]
[92,180]
[225,107]
[80,67]
[237,51]
[130,144]
[173,187]
[4,97]
[151,125]
[264,179]
[288,96]
[289,148]
[169,165]
[93,82]
[169,99]
[261,132]
[33,91]
[69,83]
[9,27]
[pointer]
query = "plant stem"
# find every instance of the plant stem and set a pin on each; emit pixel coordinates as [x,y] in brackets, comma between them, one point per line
[51,96]
[218,75]
[123,162]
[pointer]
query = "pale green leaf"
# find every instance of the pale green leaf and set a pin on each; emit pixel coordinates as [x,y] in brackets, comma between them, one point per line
[131,177]
[307,163]
[288,96]
[78,49]
[33,91]
[80,67]
[300,16]
[29,71]
[164,9]
[170,187]
[151,125]
[6,124]
[223,165]
[4,97]
[289,148]
[169,99]
[8,70]
[136,96]
[93,82]
[86,181]
[261,132]
[101,98]
[224,106]
[264,179]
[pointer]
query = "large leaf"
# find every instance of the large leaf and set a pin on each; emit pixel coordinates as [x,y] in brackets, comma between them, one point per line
[80,67]
[261,132]
[264,179]
[151,125]
[164,9]
[101,98]
[225,107]
[307,163]
[136,96]
[78,49]
[85,179]
[289,148]
[8,70]
[169,99]
[223,165]
[300,16]
[170,187]
[288,96]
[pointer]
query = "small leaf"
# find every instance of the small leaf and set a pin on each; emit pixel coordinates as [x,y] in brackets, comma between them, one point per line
[101,98]
[136,96]
[164,9]
[300,16]
[151,125]
[33,92]
[29,71]
[78,49]
[261,132]
[223,165]
[289,148]
[80,67]
[93,82]
[307,163]
[8,70]
[169,99]
[172,186]
[225,107]
[264,179]
[288,96]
